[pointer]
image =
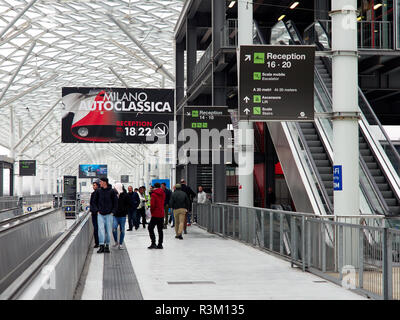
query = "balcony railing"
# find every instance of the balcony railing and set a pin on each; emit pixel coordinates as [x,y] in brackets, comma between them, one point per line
[204,60]
[376,35]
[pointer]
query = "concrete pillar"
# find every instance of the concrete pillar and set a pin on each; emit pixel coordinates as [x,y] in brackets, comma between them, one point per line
[42,183]
[245,147]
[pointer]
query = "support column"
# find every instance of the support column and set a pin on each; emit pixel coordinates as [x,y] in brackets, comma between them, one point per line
[42,183]
[245,132]
[191,51]
[12,149]
[345,109]
[49,180]
[219,84]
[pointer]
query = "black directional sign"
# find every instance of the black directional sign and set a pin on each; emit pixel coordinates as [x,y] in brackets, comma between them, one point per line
[207,117]
[276,83]
[124,178]
[27,167]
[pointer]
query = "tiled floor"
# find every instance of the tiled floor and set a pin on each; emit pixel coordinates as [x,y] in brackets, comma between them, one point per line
[205,266]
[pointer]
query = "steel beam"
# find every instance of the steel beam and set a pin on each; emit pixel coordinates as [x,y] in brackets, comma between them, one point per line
[10,82]
[146,52]
[19,15]
[119,77]
[35,126]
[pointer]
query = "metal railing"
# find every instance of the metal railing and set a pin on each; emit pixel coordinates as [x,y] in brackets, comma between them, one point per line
[372,35]
[203,62]
[358,252]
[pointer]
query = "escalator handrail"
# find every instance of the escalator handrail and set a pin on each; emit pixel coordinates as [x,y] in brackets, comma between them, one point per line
[383,131]
[379,124]
[315,169]
[363,167]
[392,147]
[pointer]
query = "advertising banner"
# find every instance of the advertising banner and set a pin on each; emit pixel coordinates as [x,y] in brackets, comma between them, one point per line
[276,83]
[92,171]
[117,115]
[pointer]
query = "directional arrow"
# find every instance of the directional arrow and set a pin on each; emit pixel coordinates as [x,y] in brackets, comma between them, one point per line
[246,111]
[161,130]
[246,99]
[247,57]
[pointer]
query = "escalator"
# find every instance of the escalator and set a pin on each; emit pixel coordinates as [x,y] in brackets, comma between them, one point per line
[308,167]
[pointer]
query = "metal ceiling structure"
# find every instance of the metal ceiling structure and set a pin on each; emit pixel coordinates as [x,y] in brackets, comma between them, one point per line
[49,44]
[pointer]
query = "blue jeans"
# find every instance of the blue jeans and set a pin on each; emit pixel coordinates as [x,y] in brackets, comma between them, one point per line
[104,223]
[132,218]
[121,222]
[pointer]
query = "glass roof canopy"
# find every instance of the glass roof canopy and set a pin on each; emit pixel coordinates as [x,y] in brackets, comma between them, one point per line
[77,43]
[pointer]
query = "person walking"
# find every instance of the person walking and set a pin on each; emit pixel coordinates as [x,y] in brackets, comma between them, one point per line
[124,205]
[134,203]
[190,193]
[157,216]
[105,203]
[166,203]
[179,203]
[141,209]
[94,215]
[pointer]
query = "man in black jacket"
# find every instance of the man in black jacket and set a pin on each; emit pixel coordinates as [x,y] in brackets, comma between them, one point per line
[94,215]
[190,193]
[105,203]
[166,203]
[179,203]
[132,218]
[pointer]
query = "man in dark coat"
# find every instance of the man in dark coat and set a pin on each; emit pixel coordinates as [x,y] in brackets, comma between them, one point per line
[132,218]
[166,203]
[94,215]
[190,193]
[179,202]
[105,203]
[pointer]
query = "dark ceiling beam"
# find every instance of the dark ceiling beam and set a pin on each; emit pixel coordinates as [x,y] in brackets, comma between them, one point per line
[391,66]
[370,64]
[386,96]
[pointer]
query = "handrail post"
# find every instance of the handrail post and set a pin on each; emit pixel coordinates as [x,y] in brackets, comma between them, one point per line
[303,244]
[361,259]
[281,234]
[271,231]
[387,265]
[262,242]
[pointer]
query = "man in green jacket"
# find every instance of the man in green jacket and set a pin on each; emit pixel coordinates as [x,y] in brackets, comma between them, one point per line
[180,203]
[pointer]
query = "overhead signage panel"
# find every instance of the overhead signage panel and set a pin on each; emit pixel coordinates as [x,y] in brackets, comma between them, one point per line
[207,117]
[27,167]
[276,83]
[124,178]
[117,115]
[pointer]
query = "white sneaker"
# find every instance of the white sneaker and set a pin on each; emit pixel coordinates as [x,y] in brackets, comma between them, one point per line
[115,245]
[121,247]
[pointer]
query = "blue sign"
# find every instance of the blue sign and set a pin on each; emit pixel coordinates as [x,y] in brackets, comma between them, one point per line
[337,178]
[68,209]
[161,181]
[29,209]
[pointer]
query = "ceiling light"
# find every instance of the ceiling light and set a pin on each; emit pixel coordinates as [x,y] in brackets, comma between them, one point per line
[294,5]
[232,4]
[377,6]
[281,17]
[359,18]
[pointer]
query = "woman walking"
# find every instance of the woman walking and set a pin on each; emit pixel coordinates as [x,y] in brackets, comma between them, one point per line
[120,216]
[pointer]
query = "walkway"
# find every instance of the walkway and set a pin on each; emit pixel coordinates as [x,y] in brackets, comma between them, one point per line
[202,266]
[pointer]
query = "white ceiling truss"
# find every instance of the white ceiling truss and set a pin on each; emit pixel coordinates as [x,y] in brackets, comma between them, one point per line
[81,43]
